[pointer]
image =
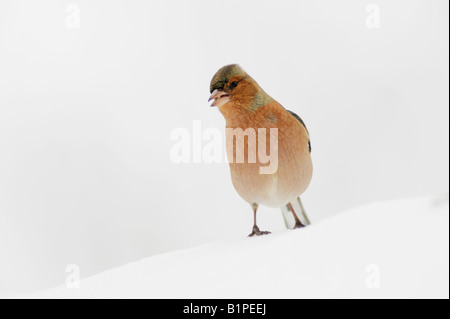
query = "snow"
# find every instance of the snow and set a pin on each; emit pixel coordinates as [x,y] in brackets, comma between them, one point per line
[397,249]
[86,116]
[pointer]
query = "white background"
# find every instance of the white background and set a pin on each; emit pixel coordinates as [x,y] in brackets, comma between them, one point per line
[86,115]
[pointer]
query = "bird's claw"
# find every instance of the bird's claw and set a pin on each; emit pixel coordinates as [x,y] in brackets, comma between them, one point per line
[298,224]
[257,232]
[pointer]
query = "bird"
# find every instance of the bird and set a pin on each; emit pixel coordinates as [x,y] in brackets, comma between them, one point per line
[246,106]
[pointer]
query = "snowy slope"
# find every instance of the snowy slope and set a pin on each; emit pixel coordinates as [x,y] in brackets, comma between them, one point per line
[392,249]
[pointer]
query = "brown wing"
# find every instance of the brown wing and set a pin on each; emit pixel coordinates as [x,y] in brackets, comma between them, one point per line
[304,125]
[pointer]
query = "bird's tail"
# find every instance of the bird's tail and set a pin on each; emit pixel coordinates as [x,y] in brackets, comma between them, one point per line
[289,219]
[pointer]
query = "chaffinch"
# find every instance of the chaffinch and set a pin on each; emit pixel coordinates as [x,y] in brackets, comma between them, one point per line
[245,105]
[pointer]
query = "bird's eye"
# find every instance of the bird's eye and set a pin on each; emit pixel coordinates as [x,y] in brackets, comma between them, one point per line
[233,84]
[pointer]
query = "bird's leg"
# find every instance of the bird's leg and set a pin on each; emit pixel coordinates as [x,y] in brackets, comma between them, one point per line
[255,230]
[303,211]
[298,223]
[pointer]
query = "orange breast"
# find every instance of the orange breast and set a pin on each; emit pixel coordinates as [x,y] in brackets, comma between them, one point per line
[294,166]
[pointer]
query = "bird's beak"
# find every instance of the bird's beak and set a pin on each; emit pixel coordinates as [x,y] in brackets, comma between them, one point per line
[219,97]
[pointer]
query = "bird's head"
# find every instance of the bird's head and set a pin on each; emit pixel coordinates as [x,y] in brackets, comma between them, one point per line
[231,85]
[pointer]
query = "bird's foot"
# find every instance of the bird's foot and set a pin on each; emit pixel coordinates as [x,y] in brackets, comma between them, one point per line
[298,224]
[257,232]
